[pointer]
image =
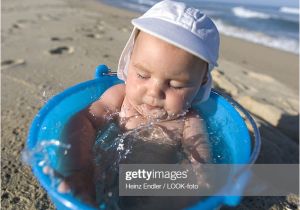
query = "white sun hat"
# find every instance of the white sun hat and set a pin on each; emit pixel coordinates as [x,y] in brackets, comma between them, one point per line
[180,25]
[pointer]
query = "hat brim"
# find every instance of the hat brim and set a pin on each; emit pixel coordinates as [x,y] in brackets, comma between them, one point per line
[175,35]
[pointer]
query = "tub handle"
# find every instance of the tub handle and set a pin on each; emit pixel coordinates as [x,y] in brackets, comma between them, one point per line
[103,70]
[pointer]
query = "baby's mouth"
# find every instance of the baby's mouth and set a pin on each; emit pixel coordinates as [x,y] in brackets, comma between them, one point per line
[154,112]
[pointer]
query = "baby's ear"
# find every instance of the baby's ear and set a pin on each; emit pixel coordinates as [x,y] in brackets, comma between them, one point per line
[205,78]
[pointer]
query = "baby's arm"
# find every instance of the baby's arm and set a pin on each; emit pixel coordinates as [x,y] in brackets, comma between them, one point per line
[195,139]
[196,146]
[80,133]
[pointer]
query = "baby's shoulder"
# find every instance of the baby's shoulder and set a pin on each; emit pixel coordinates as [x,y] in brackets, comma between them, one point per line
[116,90]
[113,97]
[193,121]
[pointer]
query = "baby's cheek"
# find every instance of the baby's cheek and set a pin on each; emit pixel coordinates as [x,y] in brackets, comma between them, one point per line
[175,103]
[135,92]
[182,102]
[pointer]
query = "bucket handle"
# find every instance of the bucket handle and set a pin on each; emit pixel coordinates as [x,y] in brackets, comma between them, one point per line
[103,70]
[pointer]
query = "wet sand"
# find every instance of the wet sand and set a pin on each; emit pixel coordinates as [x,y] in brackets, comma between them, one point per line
[48,46]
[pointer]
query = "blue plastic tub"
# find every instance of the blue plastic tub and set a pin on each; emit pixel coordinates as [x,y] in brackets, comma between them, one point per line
[219,112]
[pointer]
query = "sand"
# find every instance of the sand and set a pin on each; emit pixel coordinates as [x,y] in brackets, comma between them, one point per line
[50,45]
[282,66]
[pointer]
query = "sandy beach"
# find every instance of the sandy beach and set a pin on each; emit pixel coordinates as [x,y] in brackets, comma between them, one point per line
[48,46]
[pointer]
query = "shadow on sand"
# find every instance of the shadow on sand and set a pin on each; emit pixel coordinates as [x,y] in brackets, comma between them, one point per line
[279,145]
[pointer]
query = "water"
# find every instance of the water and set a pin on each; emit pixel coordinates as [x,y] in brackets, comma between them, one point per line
[44,154]
[143,145]
[275,26]
[147,143]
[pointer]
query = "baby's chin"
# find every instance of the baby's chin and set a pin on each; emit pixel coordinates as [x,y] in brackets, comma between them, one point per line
[153,114]
[157,113]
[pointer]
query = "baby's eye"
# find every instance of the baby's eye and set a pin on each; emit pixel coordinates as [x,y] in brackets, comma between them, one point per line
[142,76]
[176,87]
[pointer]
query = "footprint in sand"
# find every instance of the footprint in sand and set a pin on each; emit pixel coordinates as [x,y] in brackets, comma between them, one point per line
[11,63]
[47,17]
[21,24]
[61,50]
[94,36]
[60,39]
[18,26]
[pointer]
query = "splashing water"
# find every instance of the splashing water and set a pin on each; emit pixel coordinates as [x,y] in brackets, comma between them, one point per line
[113,147]
[43,155]
[147,143]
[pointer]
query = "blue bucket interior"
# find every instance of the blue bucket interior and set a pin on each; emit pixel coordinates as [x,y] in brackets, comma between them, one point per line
[224,123]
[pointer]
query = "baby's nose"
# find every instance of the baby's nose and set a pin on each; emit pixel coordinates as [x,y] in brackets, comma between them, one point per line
[157,91]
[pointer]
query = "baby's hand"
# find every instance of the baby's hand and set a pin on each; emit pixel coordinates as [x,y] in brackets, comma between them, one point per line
[80,183]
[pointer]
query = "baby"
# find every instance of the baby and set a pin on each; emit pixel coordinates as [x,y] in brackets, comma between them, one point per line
[166,68]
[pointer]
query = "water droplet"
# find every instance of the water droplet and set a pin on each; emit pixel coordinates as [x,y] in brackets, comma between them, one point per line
[41,163]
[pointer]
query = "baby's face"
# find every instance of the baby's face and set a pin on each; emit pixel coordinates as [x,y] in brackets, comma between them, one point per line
[162,79]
